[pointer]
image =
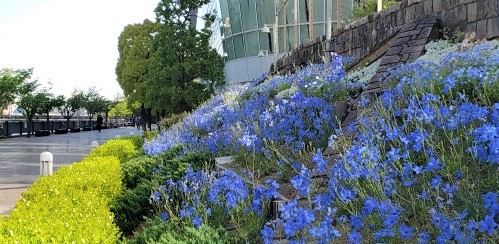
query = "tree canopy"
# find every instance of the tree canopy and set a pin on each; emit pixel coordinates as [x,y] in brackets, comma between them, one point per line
[10,81]
[169,65]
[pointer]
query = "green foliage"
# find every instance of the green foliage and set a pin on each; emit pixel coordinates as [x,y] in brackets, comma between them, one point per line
[168,122]
[123,148]
[367,7]
[150,134]
[130,207]
[95,103]
[29,100]
[138,169]
[175,168]
[71,105]
[124,109]
[455,37]
[160,231]
[10,81]
[71,205]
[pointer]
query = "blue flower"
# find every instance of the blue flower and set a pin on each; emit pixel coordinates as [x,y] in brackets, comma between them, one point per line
[356,222]
[301,182]
[267,235]
[318,159]
[487,225]
[405,231]
[423,238]
[382,233]
[164,216]
[354,237]
[197,222]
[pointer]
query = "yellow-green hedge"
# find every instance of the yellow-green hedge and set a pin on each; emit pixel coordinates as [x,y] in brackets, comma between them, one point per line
[73,205]
[123,149]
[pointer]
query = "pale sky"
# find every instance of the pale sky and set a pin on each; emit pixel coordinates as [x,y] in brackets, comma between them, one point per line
[72,44]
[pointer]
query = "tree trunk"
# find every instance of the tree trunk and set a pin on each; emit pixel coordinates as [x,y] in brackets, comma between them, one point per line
[143,115]
[67,122]
[30,125]
[149,118]
[158,118]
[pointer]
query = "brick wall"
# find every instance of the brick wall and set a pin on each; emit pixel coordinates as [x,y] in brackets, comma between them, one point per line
[361,38]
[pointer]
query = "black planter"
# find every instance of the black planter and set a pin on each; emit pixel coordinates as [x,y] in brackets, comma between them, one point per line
[61,131]
[87,129]
[74,130]
[39,133]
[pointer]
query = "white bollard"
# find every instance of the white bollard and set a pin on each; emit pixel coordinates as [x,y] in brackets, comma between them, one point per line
[46,163]
[117,136]
[132,133]
[94,144]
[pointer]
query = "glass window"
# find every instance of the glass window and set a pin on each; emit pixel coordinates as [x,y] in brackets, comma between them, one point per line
[291,38]
[290,14]
[235,16]
[248,13]
[304,33]
[318,30]
[281,40]
[319,11]
[229,47]
[239,46]
[224,9]
[251,41]
[303,11]
[266,12]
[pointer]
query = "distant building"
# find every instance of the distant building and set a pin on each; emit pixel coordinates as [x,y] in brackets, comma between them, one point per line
[242,38]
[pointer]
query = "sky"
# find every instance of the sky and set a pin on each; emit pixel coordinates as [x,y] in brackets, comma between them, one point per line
[68,43]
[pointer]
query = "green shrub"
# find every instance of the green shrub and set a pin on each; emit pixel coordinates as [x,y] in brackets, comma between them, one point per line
[137,169]
[123,149]
[130,207]
[72,205]
[160,231]
[168,122]
[175,168]
[150,134]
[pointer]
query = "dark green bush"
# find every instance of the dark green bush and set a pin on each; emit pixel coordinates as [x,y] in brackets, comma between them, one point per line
[175,168]
[130,207]
[160,231]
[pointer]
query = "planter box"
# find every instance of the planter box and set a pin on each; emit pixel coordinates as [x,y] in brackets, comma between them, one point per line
[73,130]
[39,133]
[87,129]
[61,131]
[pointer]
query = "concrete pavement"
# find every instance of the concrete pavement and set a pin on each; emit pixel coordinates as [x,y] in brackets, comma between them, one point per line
[20,158]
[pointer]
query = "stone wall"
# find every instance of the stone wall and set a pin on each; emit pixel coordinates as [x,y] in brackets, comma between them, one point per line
[361,38]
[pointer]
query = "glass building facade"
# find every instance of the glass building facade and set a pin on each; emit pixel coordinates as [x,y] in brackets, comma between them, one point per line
[242,23]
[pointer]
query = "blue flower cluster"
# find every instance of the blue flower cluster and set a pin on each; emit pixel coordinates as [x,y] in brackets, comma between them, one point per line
[199,192]
[411,174]
[415,137]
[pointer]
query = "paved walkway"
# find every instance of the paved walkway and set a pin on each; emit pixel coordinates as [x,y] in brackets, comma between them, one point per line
[20,158]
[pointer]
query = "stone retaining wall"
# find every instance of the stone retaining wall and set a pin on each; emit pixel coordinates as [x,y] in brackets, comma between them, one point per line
[361,38]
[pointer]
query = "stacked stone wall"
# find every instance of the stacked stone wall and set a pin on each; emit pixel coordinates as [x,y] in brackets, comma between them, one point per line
[362,37]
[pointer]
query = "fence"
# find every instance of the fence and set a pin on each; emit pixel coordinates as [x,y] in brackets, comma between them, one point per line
[20,127]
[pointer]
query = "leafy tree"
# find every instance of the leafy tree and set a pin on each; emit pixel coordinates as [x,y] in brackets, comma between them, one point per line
[10,81]
[29,101]
[72,105]
[135,49]
[48,103]
[94,103]
[184,68]
[168,65]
